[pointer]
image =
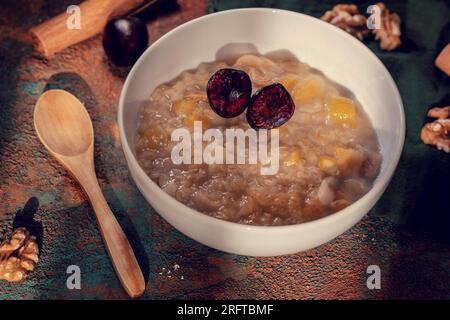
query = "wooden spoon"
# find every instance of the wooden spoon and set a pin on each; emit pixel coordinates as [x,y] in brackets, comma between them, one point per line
[65,129]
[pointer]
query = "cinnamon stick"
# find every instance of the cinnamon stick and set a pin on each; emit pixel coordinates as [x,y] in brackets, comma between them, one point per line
[54,35]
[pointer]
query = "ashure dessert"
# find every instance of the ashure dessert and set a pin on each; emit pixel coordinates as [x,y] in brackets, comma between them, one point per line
[328,150]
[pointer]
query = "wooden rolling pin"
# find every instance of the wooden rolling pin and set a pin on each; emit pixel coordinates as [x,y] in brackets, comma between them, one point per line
[54,35]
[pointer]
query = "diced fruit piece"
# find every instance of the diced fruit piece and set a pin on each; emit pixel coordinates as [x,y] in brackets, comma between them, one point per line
[341,110]
[295,159]
[328,165]
[270,107]
[289,81]
[342,154]
[196,116]
[348,160]
[156,136]
[309,90]
[184,107]
[325,192]
[124,40]
[229,92]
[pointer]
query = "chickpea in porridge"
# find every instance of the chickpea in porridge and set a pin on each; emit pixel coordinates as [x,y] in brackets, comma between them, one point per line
[328,150]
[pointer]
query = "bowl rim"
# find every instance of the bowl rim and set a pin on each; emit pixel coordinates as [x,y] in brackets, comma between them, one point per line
[377,188]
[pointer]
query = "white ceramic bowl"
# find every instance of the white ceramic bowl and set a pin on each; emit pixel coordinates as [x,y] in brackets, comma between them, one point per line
[340,56]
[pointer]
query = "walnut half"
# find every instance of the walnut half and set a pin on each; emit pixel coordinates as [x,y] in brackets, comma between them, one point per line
[389,34]
[18,256]
[437,133]
[348,18]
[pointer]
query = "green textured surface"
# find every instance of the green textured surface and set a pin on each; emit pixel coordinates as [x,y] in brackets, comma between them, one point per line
[406,234]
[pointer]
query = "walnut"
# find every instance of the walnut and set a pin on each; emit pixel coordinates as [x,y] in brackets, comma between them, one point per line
[348,18]
[389,34]
[439,113]
[437,133]
[18,256]
[443,60]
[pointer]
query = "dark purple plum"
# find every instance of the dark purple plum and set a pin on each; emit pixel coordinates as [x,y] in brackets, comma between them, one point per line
[229,92]
[124,40]
[270,107]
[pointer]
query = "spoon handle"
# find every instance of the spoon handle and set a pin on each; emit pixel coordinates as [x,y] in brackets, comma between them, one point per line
[117,245]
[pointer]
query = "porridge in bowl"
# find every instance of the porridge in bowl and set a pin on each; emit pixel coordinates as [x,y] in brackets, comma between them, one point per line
[328,150]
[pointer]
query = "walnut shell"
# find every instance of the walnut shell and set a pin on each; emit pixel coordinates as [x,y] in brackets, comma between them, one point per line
[19,256]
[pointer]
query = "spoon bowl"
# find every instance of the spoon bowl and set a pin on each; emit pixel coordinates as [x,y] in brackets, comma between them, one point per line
[63,124]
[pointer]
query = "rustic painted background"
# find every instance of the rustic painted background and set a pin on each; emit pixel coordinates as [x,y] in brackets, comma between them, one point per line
[414,255]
